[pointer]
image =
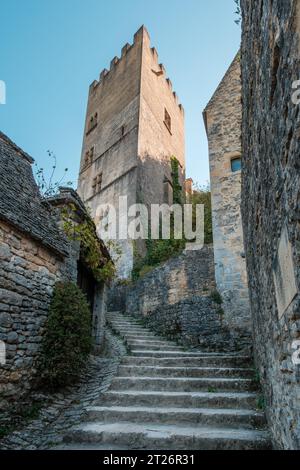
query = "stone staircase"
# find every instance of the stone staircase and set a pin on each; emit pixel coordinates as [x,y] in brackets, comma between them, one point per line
[165,397]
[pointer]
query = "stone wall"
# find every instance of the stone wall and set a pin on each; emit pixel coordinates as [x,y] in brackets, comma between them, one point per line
[28,273]
[270,203]
[175,300]
[191,273]
[222,118]
[34,255]
[197,322]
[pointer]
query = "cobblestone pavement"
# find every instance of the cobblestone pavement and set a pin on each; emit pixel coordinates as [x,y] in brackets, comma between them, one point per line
[66,409]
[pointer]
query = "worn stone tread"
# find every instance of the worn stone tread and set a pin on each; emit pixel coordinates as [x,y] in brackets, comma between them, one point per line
[165,397]
[144,435]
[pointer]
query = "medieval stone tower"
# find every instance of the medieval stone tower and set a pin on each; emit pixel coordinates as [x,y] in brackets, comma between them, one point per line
[134,125]
[222,117]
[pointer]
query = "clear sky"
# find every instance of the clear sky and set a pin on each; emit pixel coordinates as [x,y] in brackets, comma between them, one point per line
[51,50]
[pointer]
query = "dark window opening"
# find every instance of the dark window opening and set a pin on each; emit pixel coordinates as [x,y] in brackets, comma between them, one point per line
[92,123]
[86,282]
[97,183]
[89,156]
[167,120]
[236,164]
[168,191]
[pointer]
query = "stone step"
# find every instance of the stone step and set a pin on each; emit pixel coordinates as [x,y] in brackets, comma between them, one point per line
[125,324]
[128,327]
[142,337]
[139,334]
[150,342]
[186,384]
[176,353]
[123,318]
[182,399]
[159,436]
[218,417]
[150,371]
[155,347]
[203,360]
[128,331]
[86,446]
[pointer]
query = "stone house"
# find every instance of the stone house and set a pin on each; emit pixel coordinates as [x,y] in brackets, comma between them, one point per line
[270,204]
[134,125]
[222,118]
[34,255]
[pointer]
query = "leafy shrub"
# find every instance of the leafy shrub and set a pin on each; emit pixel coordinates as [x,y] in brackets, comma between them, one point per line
[67,340]
[202,195]
[158,251]
[216,297]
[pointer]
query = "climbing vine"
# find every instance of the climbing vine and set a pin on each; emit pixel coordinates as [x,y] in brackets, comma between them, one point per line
[160,250]
[84,231]
[177,189]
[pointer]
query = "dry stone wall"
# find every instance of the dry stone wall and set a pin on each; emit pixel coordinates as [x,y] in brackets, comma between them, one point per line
[191,273]
[270,203]
[174,300]
[28,272]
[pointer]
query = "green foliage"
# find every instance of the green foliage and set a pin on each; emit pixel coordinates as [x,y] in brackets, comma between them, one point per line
[216,297]
[20,414]
[256,377]
[177,189]
[67,340]
[31,412]
[221,312]
[202,195]
[85,233]
[261,403]
[161,250]
[5,430]
[158,251]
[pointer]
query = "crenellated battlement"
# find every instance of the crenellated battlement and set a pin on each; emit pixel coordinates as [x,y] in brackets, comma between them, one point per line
[140,36]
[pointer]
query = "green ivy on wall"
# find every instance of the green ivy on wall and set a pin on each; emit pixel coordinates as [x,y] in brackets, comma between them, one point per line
[84,231]
[177,189]
[159,251]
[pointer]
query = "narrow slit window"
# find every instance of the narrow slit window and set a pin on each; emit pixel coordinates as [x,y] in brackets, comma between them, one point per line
[92,123]
[97,183]
[167,120]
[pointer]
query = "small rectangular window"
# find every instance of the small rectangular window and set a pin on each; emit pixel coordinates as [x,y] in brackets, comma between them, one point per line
[167,120]
[89,156]
[236,164]
[97,183]
[93,121]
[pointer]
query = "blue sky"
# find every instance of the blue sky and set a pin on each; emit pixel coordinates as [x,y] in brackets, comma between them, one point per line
[51,50]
